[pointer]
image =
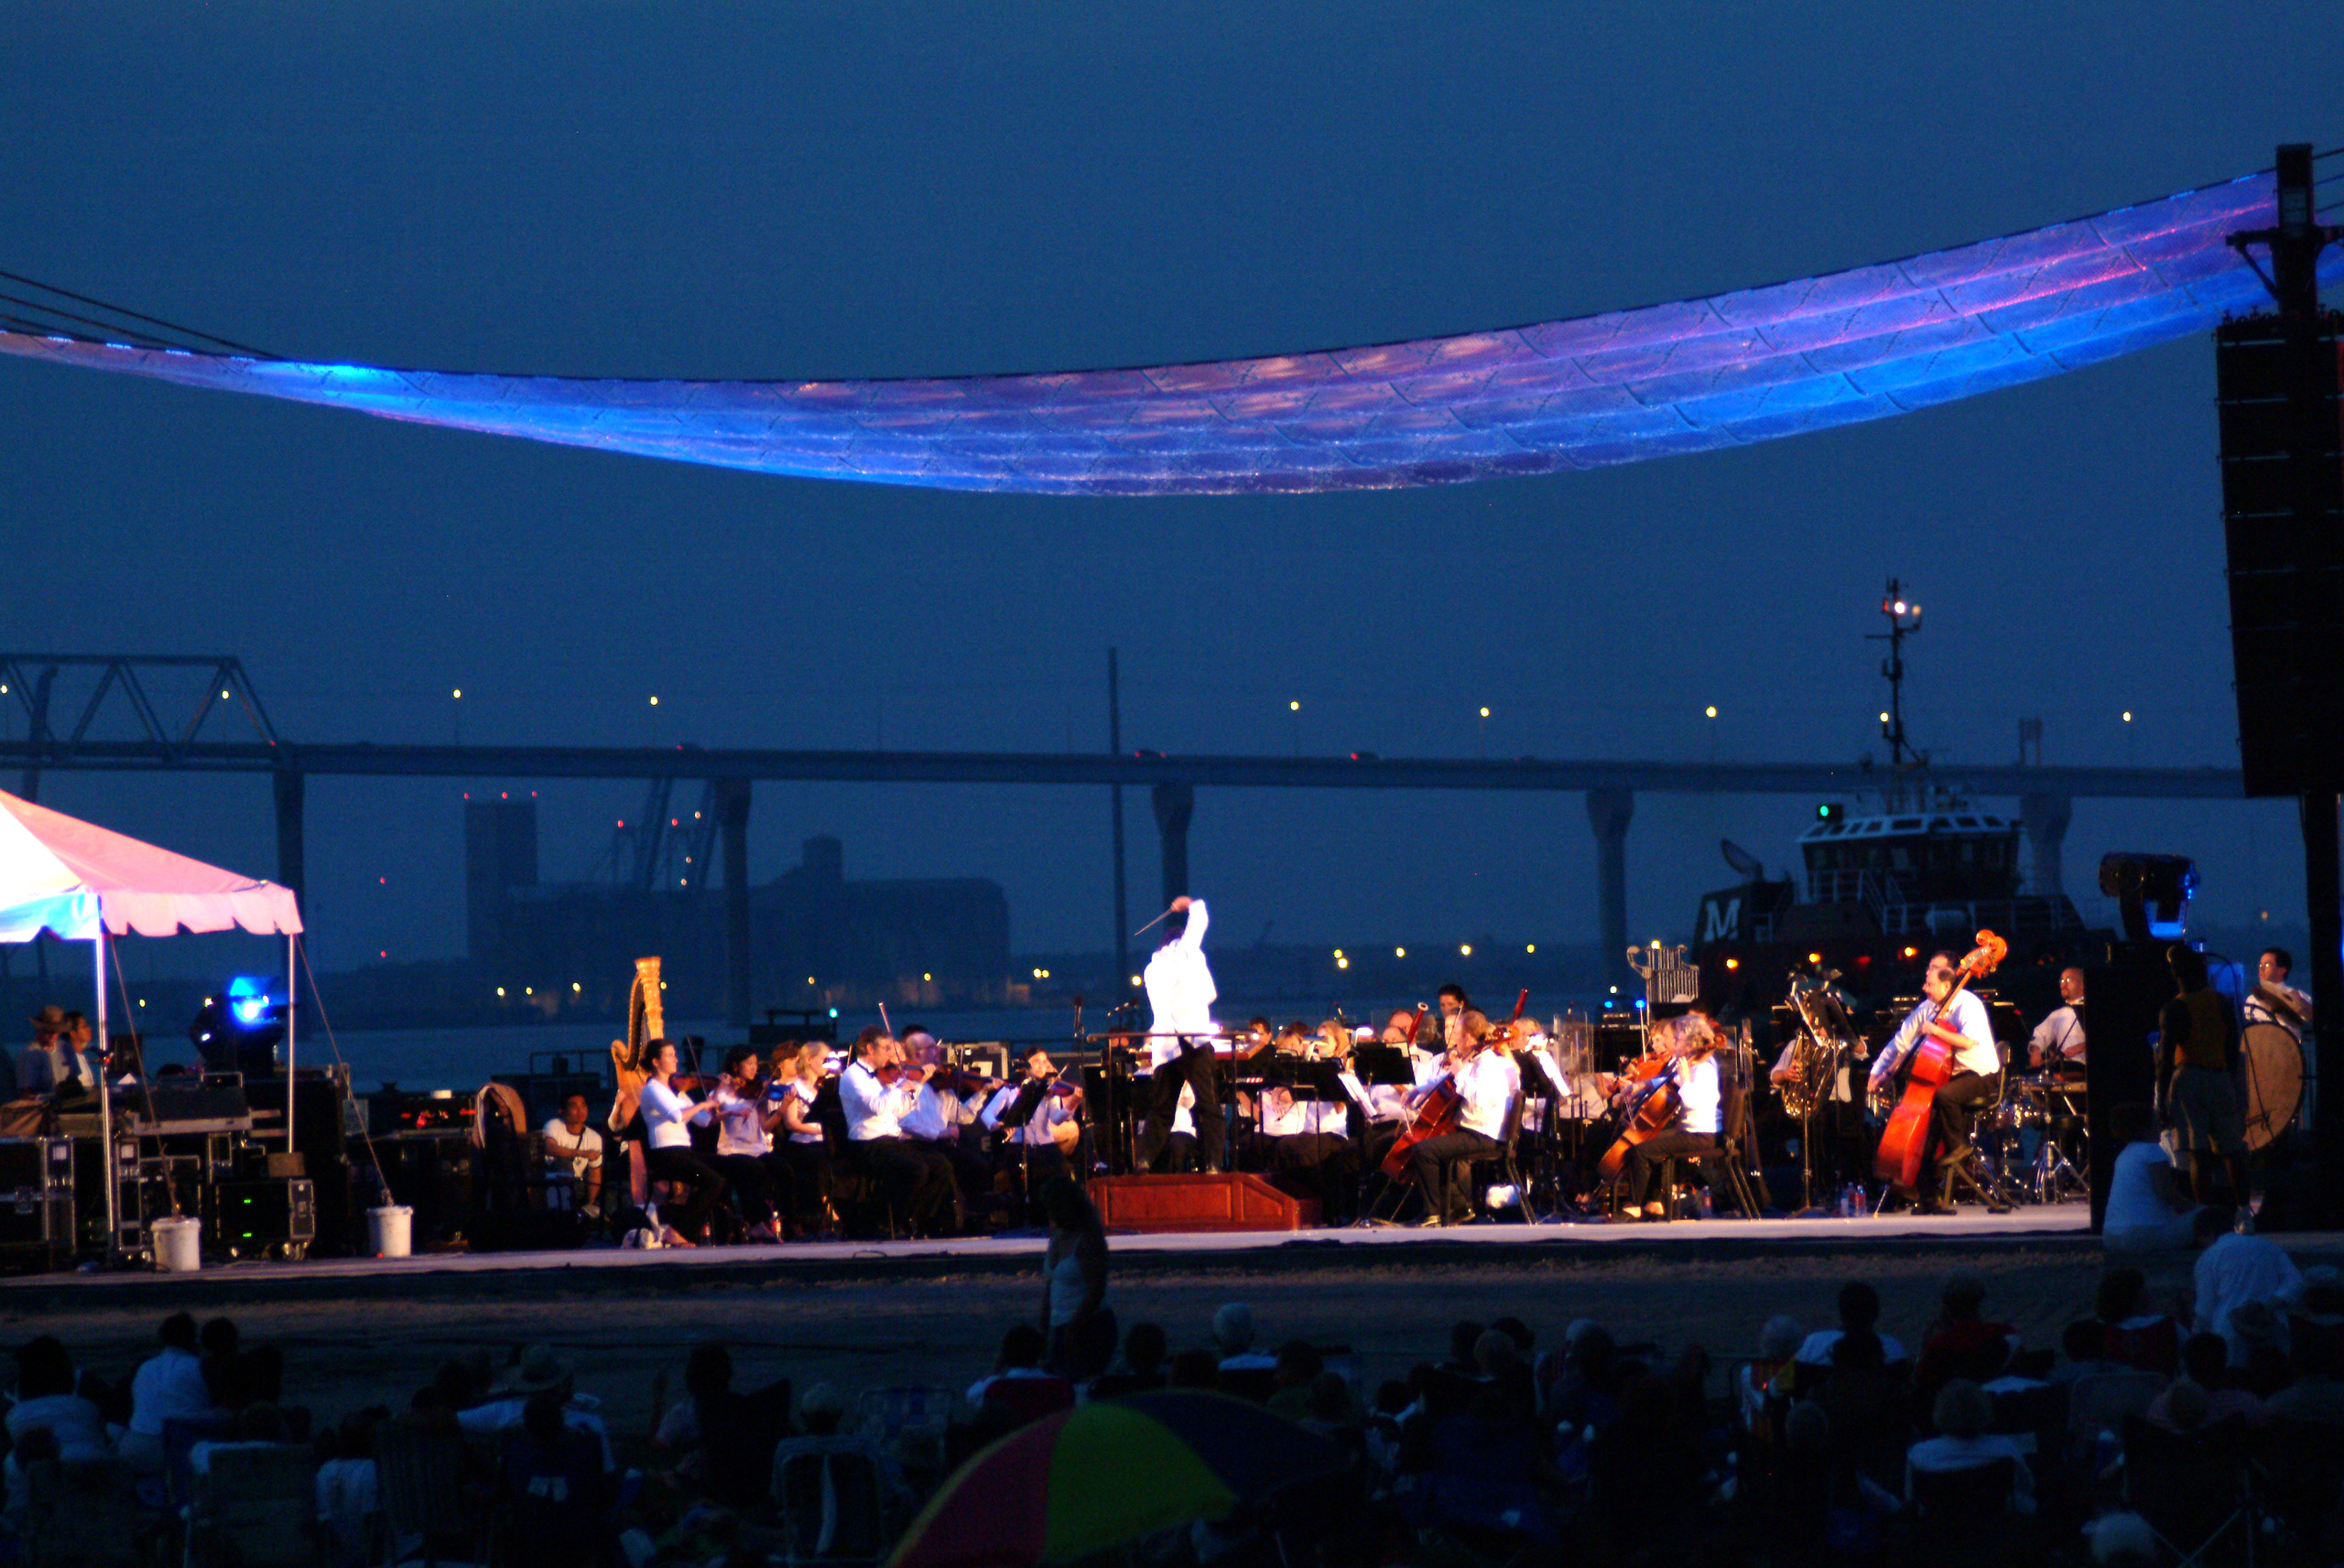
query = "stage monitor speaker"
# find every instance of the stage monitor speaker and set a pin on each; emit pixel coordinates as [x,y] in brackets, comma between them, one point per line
[249,1219]
[2282,521]
[36,1202]
[2119,1013]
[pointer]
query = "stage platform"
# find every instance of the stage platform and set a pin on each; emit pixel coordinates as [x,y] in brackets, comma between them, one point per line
[2064,1226]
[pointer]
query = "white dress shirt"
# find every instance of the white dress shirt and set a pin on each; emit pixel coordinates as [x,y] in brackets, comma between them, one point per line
[664,1114]
[1697,1093]
[1053,1111]
[1180,993]
[874,1109]
[1968,1020]
[935,1114]
[1487,1083]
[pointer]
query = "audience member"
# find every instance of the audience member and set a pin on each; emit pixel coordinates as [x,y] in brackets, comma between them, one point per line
[2205,1368]
[1139,1370]
[2234,1270]
[1961,1343]
[1859,1309]
[168,1386]
[536,1371]
[2149,1209]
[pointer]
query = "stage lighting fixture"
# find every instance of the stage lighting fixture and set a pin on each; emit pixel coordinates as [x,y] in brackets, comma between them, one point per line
[239,1030]
[2153,893]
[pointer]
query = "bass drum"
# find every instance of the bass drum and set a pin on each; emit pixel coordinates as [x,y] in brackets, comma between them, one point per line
[2273,1070]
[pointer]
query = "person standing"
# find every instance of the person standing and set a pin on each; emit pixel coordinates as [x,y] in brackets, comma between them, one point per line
[2196,1081]
[668,1122]
[1977,1074]
[1180,994]
[1074,1284]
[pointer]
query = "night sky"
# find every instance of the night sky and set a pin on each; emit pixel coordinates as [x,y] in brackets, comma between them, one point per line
[862,191]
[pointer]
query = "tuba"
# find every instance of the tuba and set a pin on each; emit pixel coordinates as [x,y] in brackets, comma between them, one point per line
[644,1023]
[1814,1061]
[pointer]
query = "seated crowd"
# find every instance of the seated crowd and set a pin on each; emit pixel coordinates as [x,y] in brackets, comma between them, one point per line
[2160,1420]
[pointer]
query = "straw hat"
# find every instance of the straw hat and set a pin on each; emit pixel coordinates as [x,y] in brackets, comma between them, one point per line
[539,1370]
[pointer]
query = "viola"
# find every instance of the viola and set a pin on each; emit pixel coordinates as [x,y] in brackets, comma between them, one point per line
[1899,1156]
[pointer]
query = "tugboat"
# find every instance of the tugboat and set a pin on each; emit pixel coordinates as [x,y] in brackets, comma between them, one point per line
[1883,888]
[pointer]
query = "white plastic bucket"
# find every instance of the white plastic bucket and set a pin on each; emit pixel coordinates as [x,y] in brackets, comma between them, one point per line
[390,1231]
[179,1245]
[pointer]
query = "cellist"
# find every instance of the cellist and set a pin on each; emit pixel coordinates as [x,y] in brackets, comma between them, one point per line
[1486,1081]
[1692,1046]
[1969,1035]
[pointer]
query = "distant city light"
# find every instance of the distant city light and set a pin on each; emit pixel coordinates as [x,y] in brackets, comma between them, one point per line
[1733,963]
[654,702]
[1884,718]
[1294,708]
[2127,716]
[500,991]
[1399,952]
[1135,981]
[458,694]
[1485,713]
[1465,948]
[1530,946]
[928,977]
[1342,963]
[1709,712]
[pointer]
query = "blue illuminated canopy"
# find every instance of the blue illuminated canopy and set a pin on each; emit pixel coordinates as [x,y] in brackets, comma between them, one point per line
[1585,393]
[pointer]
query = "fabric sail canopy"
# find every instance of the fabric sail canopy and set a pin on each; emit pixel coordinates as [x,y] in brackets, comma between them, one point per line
[63,874]
[1623,386]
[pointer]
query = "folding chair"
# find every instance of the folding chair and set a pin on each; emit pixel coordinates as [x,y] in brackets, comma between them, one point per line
[831,1497]
[2104,1401]
[2191,1487]
[424,1475]
[251,1504]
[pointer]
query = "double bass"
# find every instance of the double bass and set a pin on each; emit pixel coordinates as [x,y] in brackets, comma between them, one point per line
[1899,1158]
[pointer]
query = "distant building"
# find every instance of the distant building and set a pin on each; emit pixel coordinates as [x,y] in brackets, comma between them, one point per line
[815,939]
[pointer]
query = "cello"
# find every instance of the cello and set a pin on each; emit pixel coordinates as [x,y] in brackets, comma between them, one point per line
[1443,1109]
[1652,1108]
[1899,1157]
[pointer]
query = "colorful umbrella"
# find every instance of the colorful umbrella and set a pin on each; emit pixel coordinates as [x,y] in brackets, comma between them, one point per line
[1098,1475]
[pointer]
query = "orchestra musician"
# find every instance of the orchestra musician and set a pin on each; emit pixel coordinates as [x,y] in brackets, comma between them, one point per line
[2057,1042]
[1041,1120]
[1977,1074]
[918,1180]
[1306,1143]
[745,1118]
[1180,994]
[938,1116]
[1691,1040]
[804,1148]
[668,1120]
[2272,1000]
[1487,1082]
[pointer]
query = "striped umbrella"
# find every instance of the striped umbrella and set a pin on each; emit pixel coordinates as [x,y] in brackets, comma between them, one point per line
[1102,1475]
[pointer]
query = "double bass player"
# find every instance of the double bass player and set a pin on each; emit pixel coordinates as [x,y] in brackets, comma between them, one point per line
[1967,1032]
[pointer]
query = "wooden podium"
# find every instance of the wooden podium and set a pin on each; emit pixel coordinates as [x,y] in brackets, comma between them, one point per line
[1239,1201]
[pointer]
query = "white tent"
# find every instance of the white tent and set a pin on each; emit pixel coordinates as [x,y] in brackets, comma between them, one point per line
[84,882]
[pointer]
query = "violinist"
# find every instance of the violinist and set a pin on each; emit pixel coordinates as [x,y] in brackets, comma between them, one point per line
[745,1118]
[877,1091]
[1486,1081]
[939,1113]
[1691,1043]
[1042,1118]
[668,1120]
[1977,1067]
[804,1149]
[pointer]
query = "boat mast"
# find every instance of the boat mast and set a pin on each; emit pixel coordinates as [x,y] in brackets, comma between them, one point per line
[1903,620]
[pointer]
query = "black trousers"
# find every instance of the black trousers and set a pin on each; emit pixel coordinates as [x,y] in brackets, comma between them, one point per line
[707,1184]
[1444,1163]
[1324,1165]
[751,1181]
[807,1166]
[1949,1105]
[1195,1067]
[915,1178]
[1642,1176]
